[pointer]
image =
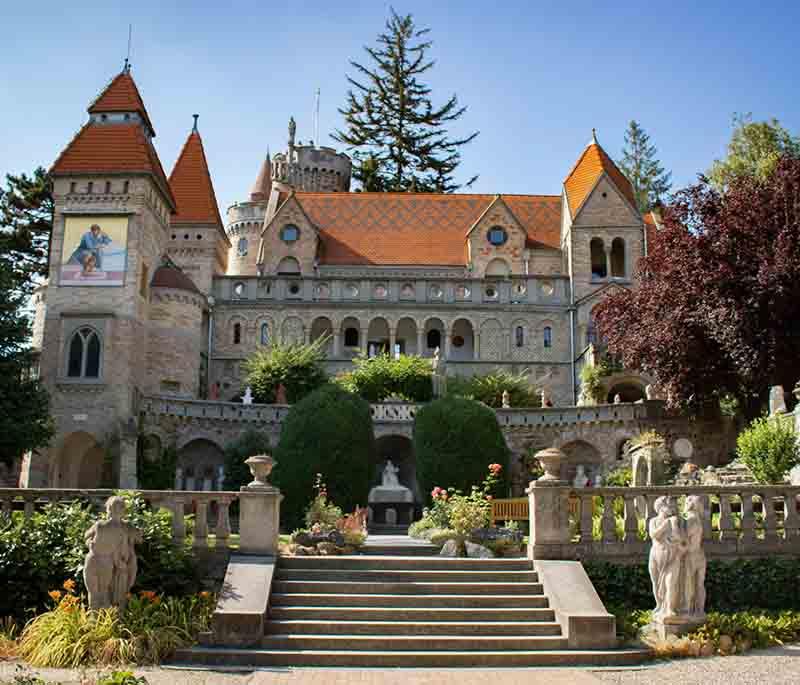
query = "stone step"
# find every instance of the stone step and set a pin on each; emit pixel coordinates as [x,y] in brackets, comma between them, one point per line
[405,587]
[410,614]
[343,627]
[386,529]
[421,550]
[409,659]
[396,601]
[400,562]
[402,576]
[394,643]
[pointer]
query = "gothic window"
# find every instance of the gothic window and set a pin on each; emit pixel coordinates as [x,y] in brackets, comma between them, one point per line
[290,233]
[351,337]
[237,333]
[241,247]
[83,358]
[434,339]
[598,256]
[265,334]
[618,258]
[548,337]
[519,336]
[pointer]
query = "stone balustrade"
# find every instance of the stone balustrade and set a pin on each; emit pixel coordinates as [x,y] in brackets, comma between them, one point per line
[393,411]
[555,416]
[178,503]
[610,523]
[214,409]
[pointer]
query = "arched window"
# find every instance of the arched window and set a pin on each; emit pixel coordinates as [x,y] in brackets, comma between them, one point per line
[83,358]
[618,258]
[351,337]
[289,265]
[434,339]
[497,268]
[241,247]
[598,256]
[237,333]
[548,337]
[519,336]
[265,334]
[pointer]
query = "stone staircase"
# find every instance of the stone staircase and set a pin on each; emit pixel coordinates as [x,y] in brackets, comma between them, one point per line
[408,611]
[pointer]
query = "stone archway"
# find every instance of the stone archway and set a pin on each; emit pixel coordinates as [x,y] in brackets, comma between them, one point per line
[400,450]
[201,463]
[580,452]
[81,463]
[628,392]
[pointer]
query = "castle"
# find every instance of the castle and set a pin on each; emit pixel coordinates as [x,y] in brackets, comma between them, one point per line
[152,294]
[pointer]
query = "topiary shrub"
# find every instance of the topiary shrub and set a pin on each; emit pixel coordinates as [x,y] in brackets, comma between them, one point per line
[488,388]
[328,432]
[769,448]
[377,378]
[298,367]
[454,440]
[249,443]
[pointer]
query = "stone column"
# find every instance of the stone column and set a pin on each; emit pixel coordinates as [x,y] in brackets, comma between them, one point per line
[421,344]
[392,341]
[447,345]
[363,341]
[548,507]
[259,510]
[607,251]
[337,340]
[476,345]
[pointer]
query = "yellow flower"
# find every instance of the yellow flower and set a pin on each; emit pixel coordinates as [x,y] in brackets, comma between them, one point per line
[69,585]
[205,594]
[55,595]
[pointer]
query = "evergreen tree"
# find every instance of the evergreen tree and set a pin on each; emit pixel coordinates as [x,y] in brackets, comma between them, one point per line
[26,211]
[639,163]
[754,150]
[400,138]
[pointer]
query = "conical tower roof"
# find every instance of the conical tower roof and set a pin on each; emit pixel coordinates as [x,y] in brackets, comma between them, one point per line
[191,184]
[121,95]
[261,188]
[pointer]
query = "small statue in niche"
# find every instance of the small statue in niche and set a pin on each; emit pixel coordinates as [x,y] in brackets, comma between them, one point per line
[389,478]
[109,569]
[247,398]
[506,398]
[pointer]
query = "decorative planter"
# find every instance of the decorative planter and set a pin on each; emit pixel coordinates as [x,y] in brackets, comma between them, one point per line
[551,460]
[260,466]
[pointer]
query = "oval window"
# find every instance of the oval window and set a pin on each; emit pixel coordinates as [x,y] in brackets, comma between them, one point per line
[290,233]
[497,235]
[241,246]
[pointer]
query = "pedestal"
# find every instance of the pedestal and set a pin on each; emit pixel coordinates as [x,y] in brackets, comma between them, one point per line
[675,625]
[259,520]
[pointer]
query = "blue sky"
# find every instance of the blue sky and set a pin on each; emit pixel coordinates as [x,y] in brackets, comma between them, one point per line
[536,77]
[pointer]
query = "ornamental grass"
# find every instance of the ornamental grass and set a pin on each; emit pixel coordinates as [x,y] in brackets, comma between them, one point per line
[148,630]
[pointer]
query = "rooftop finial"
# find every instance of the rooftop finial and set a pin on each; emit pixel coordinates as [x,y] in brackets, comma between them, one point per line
[127,66]
[196,117]
[594,136]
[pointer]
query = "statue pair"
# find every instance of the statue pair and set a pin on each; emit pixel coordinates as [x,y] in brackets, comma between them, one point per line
[677,561]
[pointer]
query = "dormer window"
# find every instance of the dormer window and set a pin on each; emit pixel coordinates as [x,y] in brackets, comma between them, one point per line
[289,233]
[497,236]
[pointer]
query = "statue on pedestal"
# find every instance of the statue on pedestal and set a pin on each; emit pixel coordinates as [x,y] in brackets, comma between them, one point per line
[506,399]
[247,398]
[389,478]
[109,569]
[438,368]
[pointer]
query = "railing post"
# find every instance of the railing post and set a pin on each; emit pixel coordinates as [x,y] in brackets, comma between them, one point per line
[790,518]
[259,510]
[201,523]
[548,506]
[178,524]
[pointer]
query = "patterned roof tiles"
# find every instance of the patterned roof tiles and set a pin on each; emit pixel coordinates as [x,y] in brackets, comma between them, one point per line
[590,166]
[191,184]
[121,95]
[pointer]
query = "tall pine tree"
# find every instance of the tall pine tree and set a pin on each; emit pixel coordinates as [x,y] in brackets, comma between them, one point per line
[643,168]
[400,140]
[26,217]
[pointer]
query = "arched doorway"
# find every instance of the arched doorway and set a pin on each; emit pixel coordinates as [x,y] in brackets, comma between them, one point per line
[462,341]
[580,453]
[202,465]
[81,463]
[400,450]
[322,327]
[627,391]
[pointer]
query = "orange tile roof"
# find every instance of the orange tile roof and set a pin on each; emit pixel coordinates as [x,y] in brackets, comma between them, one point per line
[589,167]
[112,148]
[416,229]
[121,95]
[191,184]
[651,226]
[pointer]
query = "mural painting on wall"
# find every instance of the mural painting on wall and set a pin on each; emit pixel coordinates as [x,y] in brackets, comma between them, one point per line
[95,250]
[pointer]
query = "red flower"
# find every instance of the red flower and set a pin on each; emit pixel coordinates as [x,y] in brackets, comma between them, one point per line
[495,469]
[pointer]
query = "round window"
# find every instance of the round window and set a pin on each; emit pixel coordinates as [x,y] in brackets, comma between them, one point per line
[497,235]
[294,288]
[547,288]
[290,233]
[462,292]
[238,289]
[380,292]
[458,341]
[520,289]
[351,290]
[491,293]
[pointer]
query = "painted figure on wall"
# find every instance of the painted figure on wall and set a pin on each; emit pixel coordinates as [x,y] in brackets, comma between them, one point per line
[94,251]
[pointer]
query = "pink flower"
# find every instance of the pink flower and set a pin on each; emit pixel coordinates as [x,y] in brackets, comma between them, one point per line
[489,497]
[495,469]
[439,493]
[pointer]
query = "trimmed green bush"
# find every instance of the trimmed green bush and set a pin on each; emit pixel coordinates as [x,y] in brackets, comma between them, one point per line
[158,474]
[455,439]
[407,377]
[298,367]
[769,448]
[328,432]
[489,389]
[249,443]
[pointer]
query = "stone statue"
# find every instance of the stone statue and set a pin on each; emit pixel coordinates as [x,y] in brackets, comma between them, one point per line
[777,401]
[694,575]
[617,399]
[580,479]
[506,400]
[666,553]
[247,398]
[389,478]
[547,399]
[109,569]
[438,368]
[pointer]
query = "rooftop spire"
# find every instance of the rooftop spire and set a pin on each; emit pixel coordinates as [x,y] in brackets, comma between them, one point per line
[191,184]
[263,183]
[194,126]
[594,137]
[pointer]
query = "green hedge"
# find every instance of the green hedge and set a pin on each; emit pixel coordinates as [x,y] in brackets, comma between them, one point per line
[407,377]
[327,432]
[455,439]
[739,585]
[488,388]
[298,367]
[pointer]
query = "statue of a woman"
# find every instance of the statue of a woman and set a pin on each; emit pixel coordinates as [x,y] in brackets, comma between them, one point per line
[695,559]
[666,552]
[389,478]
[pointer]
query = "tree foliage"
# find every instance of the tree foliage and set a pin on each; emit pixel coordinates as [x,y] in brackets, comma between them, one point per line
[488,388]
[248,444]
[454,441]
[718,306]
[754,150]
[643,168]
[401,139]
[297,367]
[769,448]
[327,432]
[377,378]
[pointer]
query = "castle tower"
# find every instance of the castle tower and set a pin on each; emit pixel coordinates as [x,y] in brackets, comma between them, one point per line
[197,240]
[110,229]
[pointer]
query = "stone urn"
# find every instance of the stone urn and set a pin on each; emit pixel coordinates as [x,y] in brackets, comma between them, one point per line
[551,460]
[260,466]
